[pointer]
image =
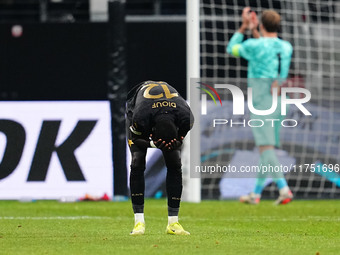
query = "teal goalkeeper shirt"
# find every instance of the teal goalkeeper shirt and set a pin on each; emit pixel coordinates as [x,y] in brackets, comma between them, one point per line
[268,58]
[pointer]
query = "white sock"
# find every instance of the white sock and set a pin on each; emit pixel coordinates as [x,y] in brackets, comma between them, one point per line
[139,217]
[172,219]
[256,195]
[284,190]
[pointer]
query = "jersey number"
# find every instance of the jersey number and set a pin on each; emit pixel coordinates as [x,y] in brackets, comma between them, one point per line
[166,90]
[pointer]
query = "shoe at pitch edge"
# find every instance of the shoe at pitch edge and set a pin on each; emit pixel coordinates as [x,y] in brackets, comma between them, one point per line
[176,229]
[284,198]
[139,229]
[251,198]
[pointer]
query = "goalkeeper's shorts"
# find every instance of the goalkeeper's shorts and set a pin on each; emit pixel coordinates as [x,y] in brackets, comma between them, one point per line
[269,133]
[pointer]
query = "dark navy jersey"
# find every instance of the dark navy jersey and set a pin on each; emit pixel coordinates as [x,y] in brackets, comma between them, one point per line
[149,100]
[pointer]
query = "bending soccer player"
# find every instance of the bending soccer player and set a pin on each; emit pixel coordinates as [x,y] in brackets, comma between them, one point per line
[157,116]
[268,64]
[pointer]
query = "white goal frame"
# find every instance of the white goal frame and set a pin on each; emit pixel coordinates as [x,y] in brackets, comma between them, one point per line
[191,150]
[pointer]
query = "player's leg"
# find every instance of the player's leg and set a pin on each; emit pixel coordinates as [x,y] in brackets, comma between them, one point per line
[269,158]
[255,196]
[174,191]
[286,195]
[137,185]
[264,139]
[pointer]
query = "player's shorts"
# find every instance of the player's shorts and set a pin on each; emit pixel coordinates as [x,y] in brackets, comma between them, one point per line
[269,133]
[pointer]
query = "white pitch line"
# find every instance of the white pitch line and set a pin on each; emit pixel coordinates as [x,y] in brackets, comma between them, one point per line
[55,218]
[269,218]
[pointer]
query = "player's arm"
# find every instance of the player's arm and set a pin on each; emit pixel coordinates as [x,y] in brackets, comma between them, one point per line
[246,14]
[236,46]
[285,60]
[138,138]
[143,143]
[236,40]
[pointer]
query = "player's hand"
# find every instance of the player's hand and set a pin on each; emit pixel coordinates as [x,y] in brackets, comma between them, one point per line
[253,21]
[275,85]
[174,144]
[160,144]
[246,17]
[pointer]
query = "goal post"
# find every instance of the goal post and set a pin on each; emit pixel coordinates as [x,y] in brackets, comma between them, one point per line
[191,150]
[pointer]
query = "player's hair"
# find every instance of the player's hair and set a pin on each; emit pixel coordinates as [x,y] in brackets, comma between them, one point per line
[165,128]
[271,21]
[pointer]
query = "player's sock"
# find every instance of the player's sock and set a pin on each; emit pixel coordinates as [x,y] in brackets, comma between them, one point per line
[138,208]
[137,186]
[284,190]
[139,217]
[269,158]
[172,215]
[172,219]
[174,190]
[282,185]
[261,177]
[173,211]
[259,185]
[139,227]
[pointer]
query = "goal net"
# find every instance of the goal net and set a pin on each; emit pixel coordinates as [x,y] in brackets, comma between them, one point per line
[311,149]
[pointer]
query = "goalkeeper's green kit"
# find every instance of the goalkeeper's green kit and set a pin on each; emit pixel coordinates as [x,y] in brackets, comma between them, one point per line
[268,60]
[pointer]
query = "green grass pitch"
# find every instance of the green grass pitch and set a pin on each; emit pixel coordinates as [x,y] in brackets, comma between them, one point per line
[217,227]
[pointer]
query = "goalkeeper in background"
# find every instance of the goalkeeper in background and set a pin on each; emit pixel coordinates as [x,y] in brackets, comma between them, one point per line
[157,116]
[268,64]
